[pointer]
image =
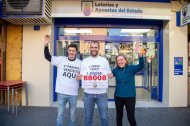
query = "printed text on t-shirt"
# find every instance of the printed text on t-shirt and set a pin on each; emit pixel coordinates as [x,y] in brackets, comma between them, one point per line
[70,71]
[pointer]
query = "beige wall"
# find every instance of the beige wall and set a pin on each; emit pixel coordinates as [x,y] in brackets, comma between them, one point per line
[35,69]
[175,45]
[177,48]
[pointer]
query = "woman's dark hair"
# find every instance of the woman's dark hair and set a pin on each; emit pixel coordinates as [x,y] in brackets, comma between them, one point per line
[74,46]
[123,57]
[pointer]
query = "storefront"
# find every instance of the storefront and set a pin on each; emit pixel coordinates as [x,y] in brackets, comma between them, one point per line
[118,38]
[118,25]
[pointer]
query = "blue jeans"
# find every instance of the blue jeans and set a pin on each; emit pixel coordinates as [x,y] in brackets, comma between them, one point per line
[89,104]
[62,101]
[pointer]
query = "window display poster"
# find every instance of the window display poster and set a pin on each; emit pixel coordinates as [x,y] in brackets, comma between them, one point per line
[178,65]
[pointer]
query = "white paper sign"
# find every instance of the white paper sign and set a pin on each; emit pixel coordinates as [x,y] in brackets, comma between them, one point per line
[93,79]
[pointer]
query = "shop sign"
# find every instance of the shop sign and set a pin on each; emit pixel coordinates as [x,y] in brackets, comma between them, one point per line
[111,9]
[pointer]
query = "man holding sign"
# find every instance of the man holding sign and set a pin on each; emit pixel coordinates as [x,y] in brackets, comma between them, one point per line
[94,73]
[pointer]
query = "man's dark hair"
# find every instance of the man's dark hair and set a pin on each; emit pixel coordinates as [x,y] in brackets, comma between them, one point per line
[74,46]
[96,42]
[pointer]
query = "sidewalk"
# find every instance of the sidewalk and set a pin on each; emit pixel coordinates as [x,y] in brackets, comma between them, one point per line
[46,116]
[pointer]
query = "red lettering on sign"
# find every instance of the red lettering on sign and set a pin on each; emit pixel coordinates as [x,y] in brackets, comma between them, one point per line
[94,77]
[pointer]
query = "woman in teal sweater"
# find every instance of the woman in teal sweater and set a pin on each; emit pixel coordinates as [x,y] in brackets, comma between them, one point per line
[125,91]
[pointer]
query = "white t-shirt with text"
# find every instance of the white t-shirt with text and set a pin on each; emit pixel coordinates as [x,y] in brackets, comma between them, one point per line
[67,70]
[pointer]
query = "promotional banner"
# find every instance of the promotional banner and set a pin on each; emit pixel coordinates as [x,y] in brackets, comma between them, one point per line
[178,65]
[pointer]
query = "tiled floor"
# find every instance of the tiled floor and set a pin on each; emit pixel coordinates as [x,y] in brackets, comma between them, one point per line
[46,116]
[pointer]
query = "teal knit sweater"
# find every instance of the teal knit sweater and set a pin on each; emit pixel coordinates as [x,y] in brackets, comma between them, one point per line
[125,79]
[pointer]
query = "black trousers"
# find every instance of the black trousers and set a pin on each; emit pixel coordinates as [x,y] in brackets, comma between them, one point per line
[129,104]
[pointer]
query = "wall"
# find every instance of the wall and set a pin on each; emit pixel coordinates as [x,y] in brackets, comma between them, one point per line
[175,45]
[177,48]
[35,69]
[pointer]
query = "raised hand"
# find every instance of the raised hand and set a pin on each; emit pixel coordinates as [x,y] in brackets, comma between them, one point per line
[138,49]
[47,39]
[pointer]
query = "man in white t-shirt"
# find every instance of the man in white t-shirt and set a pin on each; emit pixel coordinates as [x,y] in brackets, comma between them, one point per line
[66,83]
[95,64]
